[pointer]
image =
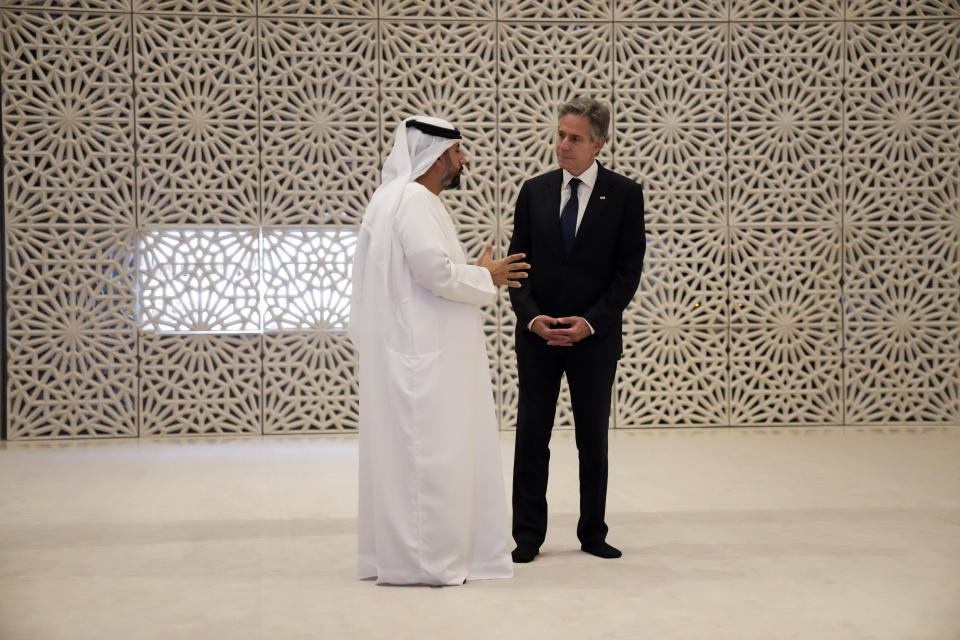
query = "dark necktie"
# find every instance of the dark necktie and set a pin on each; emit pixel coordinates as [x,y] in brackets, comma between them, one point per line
[568,217]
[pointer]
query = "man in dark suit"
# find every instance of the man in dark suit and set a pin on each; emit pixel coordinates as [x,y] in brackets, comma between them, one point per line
[581,227]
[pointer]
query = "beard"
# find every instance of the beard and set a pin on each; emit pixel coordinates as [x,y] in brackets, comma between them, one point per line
[452,179]
[453,182]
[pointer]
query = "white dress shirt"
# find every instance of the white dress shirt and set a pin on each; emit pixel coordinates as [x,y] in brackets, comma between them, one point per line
[587,179]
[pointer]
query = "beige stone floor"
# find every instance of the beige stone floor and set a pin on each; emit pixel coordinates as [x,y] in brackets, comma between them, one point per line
[819,533]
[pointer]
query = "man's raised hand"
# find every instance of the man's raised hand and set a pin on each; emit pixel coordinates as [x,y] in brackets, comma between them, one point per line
[506,271]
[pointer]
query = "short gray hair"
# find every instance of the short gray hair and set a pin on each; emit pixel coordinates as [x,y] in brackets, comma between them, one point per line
[595,111]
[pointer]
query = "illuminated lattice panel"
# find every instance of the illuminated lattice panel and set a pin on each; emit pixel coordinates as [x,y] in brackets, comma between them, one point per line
[306,278]
[199,280]
[310,382]
[196,115]
[319,120]
[200,384]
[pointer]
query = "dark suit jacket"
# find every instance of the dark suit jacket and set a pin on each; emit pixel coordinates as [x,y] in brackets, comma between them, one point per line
[601,275]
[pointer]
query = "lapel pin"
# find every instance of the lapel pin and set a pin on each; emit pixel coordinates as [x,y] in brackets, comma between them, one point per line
[603,197]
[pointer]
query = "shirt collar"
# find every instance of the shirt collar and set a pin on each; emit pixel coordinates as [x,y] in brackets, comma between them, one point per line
[588,177]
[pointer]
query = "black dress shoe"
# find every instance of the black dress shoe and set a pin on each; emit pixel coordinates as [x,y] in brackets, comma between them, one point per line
[524,553]
[601,550]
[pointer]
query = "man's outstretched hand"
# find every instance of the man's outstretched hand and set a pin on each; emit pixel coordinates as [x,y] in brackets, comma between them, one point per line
[506,271]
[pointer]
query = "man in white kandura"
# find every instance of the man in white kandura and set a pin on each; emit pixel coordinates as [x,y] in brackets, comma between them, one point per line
[432,502]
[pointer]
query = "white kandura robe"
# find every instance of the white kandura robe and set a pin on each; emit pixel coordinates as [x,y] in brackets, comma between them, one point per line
[432,500]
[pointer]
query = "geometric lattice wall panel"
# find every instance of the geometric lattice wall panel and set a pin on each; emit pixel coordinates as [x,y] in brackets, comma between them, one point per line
[556,10]
[896,268]
[80,5]
[672,120]
[199,280]
[306,278]
[785,208]
[67,118]
[309,383]
[319,120]
[785,123]
[785,326]
[673,369]
[903,122]
[786,9]
[75,280]
[903,373]
[457,9]
[902,200]
[200,384]
[789,374]
[541,66]
[449,70]
[670,9]
[232,7]
[671,373]
[860,9]
[327,8]
[785,276]
[902,324]
[473,208]
[69,218]
[71,384]
[196,84]
[183,180]
[684,279]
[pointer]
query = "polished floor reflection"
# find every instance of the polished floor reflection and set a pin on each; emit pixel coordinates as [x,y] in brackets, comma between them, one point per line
[824,533]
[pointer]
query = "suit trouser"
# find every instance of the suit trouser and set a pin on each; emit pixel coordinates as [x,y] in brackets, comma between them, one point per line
[590,378]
